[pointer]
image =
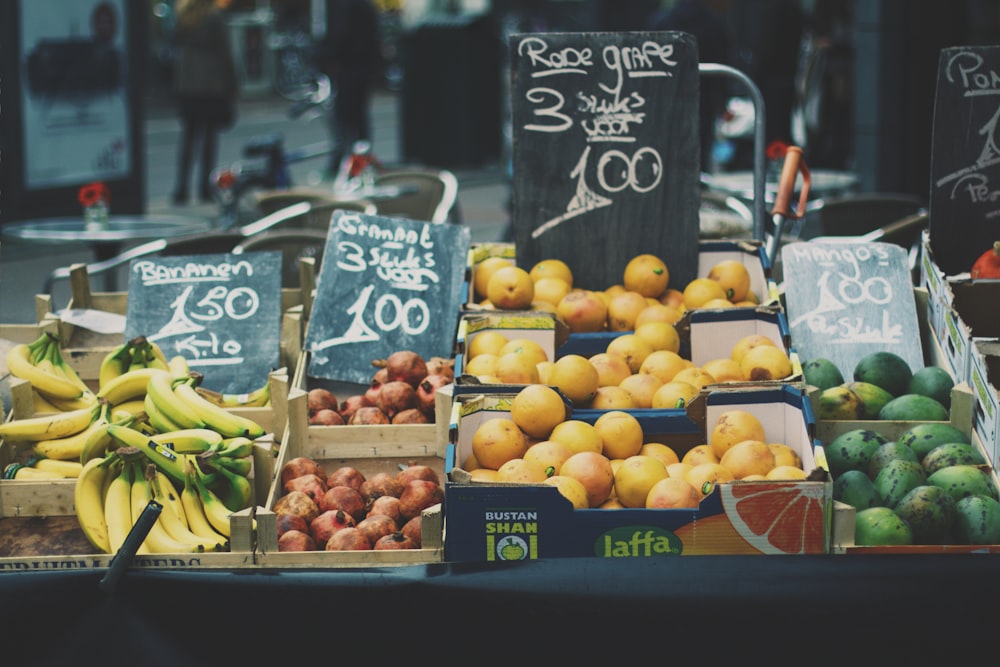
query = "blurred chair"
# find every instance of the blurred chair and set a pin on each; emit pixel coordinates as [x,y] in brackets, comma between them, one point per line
[426,194]
[723,216]
[273,200]
[856,215]
[321,212]
[294,244]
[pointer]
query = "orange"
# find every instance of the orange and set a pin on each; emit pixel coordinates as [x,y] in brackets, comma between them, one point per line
[777,518]
[488,379]
[701,290]
[623,309]
[571,489]
[784,455]
[699,454]
[754,478]
[484,363]
[496,441]
[483,475]
[660,336]
[704,477]
[551,291]
[663,364]
[612,504]
[748,457]
[612,290]
[521,471]
[621,434]
[696,376]
[786,473]
[482,272]
[578,435]
[679,469]
[583,311]
[536,409]
[635,477]
[658,312]
[634,349]
[550,454]
[470,463]
[664,453]
[611,368]
[551,268]
[765,363]
[749,342]
[593,470]
[672,493]
[488,341]
[642,387]
[734,426]
[514,368]
[723,369]
[575,377]
[544,369]
[646,274]
[675,394]
[510,288]
[612,398]
[525,346]
[734,278]
[717,303]
[673,297]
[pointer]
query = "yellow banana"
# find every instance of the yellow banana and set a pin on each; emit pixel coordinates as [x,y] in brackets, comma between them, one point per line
[20,471]
[114,363]
[62,366]
[190,440]
[129,408]
[65,405]
[128,386]
[167,460]
[257,398]
[71,447]
[48,384]
[159,421]
[175,408]
[49,426]
[173,518]
[194,510]
[88,499]
[215,510]
[65,469]
[43,405]
[214,417]
[178,366]
[118,503]
[157,540]
[236,448]
[155,356]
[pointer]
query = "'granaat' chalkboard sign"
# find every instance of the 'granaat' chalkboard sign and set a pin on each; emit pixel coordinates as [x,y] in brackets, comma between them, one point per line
[605,151]
[847,300]
[385,285]
[964,202]
[221,312]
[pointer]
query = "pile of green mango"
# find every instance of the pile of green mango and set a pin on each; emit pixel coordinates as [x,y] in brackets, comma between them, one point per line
[883,387]
[930,486]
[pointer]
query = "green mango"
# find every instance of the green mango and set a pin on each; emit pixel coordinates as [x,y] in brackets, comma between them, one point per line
[897,478]
[888,451]
[932,381]
[951,454]
[856,489]
[925,437]
[930,512]
[913,407]
[822,373]
[852,450]
[880,526]
[977,520]
[873,398]
[964,480]
[886,370]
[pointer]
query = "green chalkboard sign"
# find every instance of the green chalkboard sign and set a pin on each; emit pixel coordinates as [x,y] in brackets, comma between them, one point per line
[386,284]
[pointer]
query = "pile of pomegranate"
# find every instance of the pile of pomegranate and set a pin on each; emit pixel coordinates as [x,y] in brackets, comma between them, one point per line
[401,391]
[346,511]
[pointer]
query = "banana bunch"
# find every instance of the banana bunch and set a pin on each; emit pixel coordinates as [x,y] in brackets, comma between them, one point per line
[173,404]
[55,383]
[131,355]
[258,398]
[36,469]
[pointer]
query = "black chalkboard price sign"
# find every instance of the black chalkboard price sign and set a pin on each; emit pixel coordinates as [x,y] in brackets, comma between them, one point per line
[848,300]
[221,312]
[605,151]
[386,284]
[965,157]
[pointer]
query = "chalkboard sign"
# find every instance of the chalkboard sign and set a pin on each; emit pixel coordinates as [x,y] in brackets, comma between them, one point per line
[964,202]
[847,300]
[221,312]
[605,151]
[385,285]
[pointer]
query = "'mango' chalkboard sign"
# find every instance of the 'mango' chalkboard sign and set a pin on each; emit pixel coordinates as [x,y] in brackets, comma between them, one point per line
[386,284]
[605,151]
[221,312]
[964,202]
[847,300]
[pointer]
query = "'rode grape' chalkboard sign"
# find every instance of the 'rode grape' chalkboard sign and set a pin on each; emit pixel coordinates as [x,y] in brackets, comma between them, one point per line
[964,205]
[848,300]
[605,151]
[221,312]
[385,285]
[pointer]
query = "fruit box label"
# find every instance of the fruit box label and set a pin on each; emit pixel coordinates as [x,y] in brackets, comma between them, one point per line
[983,375]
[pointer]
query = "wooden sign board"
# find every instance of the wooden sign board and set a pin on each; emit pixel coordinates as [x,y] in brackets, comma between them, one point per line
[221,312]
[385,285]
[964,204]
[847,300]
[605,151]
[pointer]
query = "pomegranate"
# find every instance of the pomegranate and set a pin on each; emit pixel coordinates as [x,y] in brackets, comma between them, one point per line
[296,540]
[411,416]
[328,523]
[413,529]
[987,265]
[287,522]
[351,404]
[395,540]
[441,366]
[349,539]
[320,398]
[375,526]
[417,471]
[299,466]
[427,392]
[380,377]
[387,505]
[405,366]
[312,485]
[297,502]
[418,495]
[346,476]
[368,416]
[343,498]
[395,397]
[380,484]
[327,417]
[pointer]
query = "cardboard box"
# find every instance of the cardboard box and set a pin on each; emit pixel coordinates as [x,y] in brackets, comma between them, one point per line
[543,328]
[370,450]
[934,284]
[491,522]
[984,378]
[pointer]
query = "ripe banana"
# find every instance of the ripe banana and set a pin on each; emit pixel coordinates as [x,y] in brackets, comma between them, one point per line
[63,368]
[47,383]
[49,426]
[259,397]
[190,440]
[128,408]
[99,440]
[71,447]
[65,405]
[65,469]
[128,386]
[114,363]
[118,504]
[155,357]
[158,540]
[159,421]
[174,519]
[235,448]
[178,367]
[194,510]
[88,498]
[215,510]
[20,471]
[217,418]
[43,405]
[167,460]
[160,391]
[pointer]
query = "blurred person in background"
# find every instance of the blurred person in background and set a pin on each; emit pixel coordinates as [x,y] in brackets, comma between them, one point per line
[206,89]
